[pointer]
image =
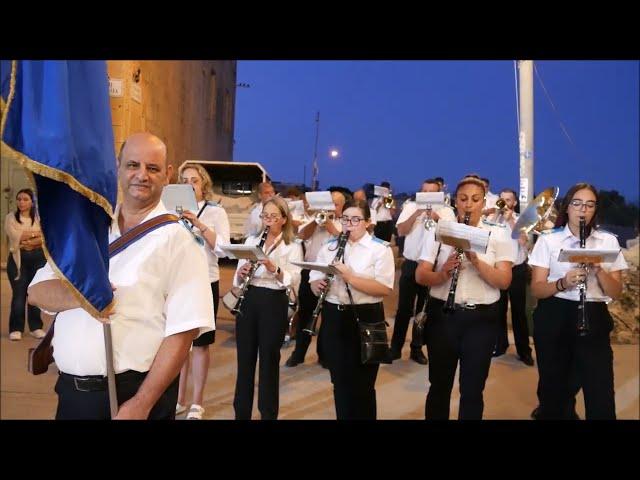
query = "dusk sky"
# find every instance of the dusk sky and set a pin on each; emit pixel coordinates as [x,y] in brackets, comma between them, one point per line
[404,121]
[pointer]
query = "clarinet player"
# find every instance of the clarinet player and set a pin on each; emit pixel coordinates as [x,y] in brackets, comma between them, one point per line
[467,333]
[262,321]
[367,269]
[558,343]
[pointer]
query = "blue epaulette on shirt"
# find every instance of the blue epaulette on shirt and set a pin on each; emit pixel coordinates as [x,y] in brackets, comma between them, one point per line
[493,224]
[213,204]
[379,240]
[331,240]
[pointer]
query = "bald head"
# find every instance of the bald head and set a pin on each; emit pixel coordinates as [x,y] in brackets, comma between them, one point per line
[142,170]
[360,195]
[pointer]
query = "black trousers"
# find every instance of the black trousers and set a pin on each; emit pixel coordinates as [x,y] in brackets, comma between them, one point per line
[466,336]
[30,262]
[353,383]
[260,331]
[306,304]
[566,359]
[517,294]
[75,404]
[384,230]
[408,291]
[210,337]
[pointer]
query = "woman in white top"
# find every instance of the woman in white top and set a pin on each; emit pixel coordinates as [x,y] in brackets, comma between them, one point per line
[212,224]
[262,322]
[561,352]
[368,269]
[466,335]
[25,258]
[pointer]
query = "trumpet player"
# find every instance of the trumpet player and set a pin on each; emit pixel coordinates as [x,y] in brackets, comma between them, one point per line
[411,225]
[261,327]
[384,215]
[253,224]
[517,291]
[467,334]
[314,235]
[367,268]
[559,347]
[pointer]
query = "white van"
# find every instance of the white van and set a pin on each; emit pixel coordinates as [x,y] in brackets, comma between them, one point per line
[235,188]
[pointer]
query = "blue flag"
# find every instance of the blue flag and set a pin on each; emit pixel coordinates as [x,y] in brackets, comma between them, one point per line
[56,122]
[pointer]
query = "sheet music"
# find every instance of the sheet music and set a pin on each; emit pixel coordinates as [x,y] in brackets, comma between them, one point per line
[588,255]
[380,191]
[429,198]
[321,267]
[296,207]
[249,252]
[463,236]
[179,195]
[320,201]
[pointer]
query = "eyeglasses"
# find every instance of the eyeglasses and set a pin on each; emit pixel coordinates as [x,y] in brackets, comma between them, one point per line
[270,216]
[578,204]
[353,220]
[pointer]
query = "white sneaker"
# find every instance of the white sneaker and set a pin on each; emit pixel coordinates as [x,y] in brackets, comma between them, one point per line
[15,336]
[180,408]
[39,333]
[195,412]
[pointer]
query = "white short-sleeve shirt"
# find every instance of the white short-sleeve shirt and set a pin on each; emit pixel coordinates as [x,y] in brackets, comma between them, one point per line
[471,288]
[415,238]
[383,214]
[215,218]
[253,224]
[162,288]
[320,236]
[369,257]
[282,256]
[545,254]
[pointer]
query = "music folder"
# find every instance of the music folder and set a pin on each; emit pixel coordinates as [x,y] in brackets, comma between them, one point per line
[588,255]
[320,201]
[248,252]
[321,267]
[435,199]
[179,195]
[463,236]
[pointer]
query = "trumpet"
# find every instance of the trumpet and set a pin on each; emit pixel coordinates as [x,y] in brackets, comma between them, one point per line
[237,310]
[429,222]
[342,242]
[323,216]
[449,307]
[500,204]
[583,321]
[389,201]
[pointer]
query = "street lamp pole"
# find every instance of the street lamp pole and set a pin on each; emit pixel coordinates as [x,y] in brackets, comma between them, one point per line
[314,174]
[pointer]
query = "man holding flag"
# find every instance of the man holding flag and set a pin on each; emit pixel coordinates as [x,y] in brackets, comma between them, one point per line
[56,122]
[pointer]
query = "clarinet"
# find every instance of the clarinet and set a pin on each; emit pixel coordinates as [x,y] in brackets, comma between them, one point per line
[237,310]
[449,307]
[342,242]
[583,322]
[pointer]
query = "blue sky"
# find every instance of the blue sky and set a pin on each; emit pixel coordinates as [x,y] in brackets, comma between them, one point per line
[404,121]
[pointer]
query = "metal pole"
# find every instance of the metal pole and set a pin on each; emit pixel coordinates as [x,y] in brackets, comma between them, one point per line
[314,174]
[525,140]
[111,375]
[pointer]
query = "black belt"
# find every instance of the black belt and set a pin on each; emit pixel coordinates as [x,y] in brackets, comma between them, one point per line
[96,383]
[464,306]
[362,307]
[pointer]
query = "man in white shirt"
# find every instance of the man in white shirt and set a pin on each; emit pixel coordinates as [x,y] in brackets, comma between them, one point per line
[491,199]
[253,224]
[162,302]
[384,216]
[410,225]
[517,291]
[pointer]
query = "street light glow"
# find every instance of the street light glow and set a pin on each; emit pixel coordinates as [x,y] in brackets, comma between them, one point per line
[334,153]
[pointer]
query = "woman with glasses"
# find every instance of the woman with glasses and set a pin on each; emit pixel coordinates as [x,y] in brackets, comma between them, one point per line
[262,323]
[467,334]
[367,269]
[559,347]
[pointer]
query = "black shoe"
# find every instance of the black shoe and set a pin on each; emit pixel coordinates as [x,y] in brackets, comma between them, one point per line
[293,361]
[323,364]
[418,357]
[395,354]
[526,359]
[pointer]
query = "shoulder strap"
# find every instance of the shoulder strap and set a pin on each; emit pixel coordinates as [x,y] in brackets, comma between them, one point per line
[202,209]
[139,231]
